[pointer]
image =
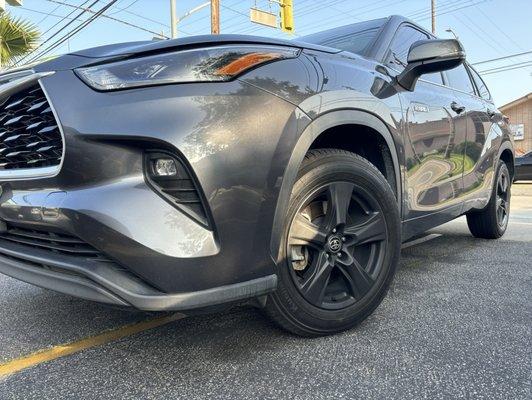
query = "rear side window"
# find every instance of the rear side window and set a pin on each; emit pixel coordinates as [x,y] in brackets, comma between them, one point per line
[459,79]
[481,86]
[398,55]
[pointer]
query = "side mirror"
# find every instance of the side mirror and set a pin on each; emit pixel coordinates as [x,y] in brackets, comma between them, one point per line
[426,56]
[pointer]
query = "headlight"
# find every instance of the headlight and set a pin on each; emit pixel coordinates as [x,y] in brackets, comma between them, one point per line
[210,64]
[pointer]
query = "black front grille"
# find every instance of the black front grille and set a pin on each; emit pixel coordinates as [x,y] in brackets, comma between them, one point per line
[29,135]
[51,241]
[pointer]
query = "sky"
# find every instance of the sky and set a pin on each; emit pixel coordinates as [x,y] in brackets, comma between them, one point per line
[488,29]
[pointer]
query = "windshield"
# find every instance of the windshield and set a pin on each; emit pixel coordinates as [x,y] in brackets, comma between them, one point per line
[355,38]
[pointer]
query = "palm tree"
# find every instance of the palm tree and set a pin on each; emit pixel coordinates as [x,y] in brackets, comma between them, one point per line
[18,37]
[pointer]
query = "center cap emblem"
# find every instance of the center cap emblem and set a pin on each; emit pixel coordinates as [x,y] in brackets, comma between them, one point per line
[335,244]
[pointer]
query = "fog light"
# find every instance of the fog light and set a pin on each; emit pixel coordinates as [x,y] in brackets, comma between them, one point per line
[164,167]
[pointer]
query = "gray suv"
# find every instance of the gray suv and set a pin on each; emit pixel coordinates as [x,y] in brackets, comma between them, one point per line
[205,171]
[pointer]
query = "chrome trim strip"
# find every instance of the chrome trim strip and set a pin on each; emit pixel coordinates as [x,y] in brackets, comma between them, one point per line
[28,173]
[59,126]
[11,76]
[32,173]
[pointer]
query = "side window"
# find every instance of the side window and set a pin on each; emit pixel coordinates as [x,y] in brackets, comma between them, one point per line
[481,86]
[354,43]
[398,55]
[459,79]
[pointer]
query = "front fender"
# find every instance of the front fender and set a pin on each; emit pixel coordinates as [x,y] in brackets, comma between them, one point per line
[308,136]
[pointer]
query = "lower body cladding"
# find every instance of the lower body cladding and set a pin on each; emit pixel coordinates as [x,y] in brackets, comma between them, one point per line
[103,230]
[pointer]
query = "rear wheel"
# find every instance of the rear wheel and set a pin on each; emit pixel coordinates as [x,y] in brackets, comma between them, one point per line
[341,245]
[492,221]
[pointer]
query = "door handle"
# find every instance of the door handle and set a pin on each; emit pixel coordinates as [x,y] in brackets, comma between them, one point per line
[491,113]
[457,108]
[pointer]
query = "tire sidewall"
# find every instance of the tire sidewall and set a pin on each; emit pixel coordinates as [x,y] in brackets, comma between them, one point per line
[339,167]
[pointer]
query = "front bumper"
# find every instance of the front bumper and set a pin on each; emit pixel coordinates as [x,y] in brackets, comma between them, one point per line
[161,259]
[106,282]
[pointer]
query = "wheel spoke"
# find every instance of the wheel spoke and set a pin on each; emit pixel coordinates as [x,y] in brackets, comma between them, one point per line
[373,229]
[339,197]
[504,183]
[313,287]
[303,233]
[500,215]
[359,281]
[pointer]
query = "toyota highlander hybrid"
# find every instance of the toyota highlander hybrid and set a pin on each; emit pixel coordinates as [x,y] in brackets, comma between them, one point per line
[209,170]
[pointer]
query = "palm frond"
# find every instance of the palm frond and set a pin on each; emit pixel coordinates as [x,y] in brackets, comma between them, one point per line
[17,37]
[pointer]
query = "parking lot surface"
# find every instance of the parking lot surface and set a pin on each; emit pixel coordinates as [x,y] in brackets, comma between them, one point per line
[456,324]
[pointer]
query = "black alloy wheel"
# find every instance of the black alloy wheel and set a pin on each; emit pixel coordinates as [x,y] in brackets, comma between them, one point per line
[337,241]
[503,200]
[492,221]
[340,246]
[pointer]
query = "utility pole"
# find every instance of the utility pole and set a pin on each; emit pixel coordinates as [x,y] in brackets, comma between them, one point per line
[215,17]
[173,19]
[433,14]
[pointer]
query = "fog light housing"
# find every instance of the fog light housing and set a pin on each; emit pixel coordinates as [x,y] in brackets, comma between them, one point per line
[173,179]
[164,167]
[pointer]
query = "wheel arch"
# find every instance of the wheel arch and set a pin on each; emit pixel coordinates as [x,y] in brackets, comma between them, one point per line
[506,154]
[325,125]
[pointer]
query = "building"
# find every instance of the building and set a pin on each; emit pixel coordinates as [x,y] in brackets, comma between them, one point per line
[520,113]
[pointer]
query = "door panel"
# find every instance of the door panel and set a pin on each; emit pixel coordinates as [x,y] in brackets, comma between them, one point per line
[433,149]
[483,136]
[483,139]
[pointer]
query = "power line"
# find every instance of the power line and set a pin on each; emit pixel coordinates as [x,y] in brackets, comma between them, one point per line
[50,14]
[507,68]
[75,30]
[118,10]
[424,11]
[143,17]
[47,15]
[76,18]
[482,36]
[64,18]
[109,17]
[502,58]
[165,25]
[496,26]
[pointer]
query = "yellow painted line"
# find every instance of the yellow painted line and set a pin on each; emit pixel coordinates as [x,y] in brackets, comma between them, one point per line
[63,350]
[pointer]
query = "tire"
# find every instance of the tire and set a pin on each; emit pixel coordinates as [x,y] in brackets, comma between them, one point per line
[488,223]
[358,248]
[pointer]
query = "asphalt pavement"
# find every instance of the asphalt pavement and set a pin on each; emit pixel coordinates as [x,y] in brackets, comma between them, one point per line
[456,324]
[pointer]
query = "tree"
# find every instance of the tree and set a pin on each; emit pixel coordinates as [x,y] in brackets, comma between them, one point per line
[18,37]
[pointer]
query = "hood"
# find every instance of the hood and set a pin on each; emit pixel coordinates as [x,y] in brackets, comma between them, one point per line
[110,52]
[135,48]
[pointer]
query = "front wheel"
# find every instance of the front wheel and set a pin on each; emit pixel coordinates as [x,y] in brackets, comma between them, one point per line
[492,221]
[341,245]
